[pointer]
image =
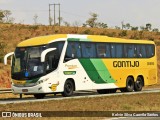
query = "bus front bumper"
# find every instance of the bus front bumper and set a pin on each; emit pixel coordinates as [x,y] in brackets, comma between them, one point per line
[42,88]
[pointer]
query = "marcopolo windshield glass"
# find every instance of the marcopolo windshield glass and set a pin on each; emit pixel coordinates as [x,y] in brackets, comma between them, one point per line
[26,62]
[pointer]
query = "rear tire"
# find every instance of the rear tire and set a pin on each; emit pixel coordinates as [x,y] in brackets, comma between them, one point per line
[138,84]
[129,84]
[68,88]
[39,96]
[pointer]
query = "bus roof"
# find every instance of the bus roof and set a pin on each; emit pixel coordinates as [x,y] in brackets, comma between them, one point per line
[42,40]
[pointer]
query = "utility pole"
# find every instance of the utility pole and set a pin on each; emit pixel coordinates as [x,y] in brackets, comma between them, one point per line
[54,14]
[50,15]
[59,15]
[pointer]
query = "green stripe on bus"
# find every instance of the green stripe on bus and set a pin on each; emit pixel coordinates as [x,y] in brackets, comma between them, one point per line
[96,70]
[102,70]
[73,39]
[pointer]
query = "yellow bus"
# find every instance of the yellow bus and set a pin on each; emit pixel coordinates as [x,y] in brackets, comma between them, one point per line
[65,63]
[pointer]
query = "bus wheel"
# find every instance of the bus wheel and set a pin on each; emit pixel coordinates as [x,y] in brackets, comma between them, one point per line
[68,88]
[138,84]
[39,96]
[129,84]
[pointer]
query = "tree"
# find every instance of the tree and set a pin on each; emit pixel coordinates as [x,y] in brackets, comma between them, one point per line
[35,19]
[155,30]
[76,25]
[148,26]
[142,28]
[66,23]
[102,25]
[1,16]
[60,19]
[5,16]
[128,26]
[118,28]
[92,21]
[134,28]
[123,25]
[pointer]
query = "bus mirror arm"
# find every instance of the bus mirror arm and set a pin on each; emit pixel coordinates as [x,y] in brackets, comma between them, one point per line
[43,54]
[6,56]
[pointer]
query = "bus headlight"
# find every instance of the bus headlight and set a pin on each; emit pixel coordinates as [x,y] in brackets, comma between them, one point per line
[41,81]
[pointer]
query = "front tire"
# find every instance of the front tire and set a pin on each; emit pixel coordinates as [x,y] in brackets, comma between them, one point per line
[39,96]
[68,88]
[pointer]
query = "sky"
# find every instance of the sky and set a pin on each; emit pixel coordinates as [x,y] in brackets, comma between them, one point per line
[112,12]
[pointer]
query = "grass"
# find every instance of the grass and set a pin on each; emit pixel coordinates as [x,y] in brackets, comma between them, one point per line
[136,102]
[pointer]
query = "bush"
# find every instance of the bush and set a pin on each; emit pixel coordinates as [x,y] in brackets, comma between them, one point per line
[87,31]
[112,34]
[2,50]
[123,33]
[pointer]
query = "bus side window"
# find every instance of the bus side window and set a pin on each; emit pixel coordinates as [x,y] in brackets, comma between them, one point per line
[108,50]
[88,50]
[150,51]
[101,50]
[131,51]
[51,61]
[60,47]
[141,52]
[119,51]
[113,50]
[73,51]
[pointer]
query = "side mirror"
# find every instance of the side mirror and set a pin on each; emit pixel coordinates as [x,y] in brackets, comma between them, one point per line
[6,57]
[43,54]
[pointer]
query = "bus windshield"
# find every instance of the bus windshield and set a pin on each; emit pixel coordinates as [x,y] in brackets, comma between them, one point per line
[26,62]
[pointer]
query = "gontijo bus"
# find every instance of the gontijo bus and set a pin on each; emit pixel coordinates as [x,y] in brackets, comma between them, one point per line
[65,63]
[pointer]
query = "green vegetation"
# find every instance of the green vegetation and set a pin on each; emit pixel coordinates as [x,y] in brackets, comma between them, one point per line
[5,16]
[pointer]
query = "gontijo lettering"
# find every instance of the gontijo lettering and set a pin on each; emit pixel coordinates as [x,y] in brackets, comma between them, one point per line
[125,64]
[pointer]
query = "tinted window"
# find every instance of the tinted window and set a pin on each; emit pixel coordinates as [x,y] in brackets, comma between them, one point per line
[150,50]
[58,45]
[88,50]
[141,52]
[108,50]
[119,51]
[101,50]
[73,50]
[129,51]
[113,50]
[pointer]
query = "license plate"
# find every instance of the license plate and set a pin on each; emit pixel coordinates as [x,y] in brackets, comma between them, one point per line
[24,90]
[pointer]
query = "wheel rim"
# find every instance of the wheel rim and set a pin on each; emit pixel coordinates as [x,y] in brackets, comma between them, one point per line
[68,88]
[139,83]
[130,84]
